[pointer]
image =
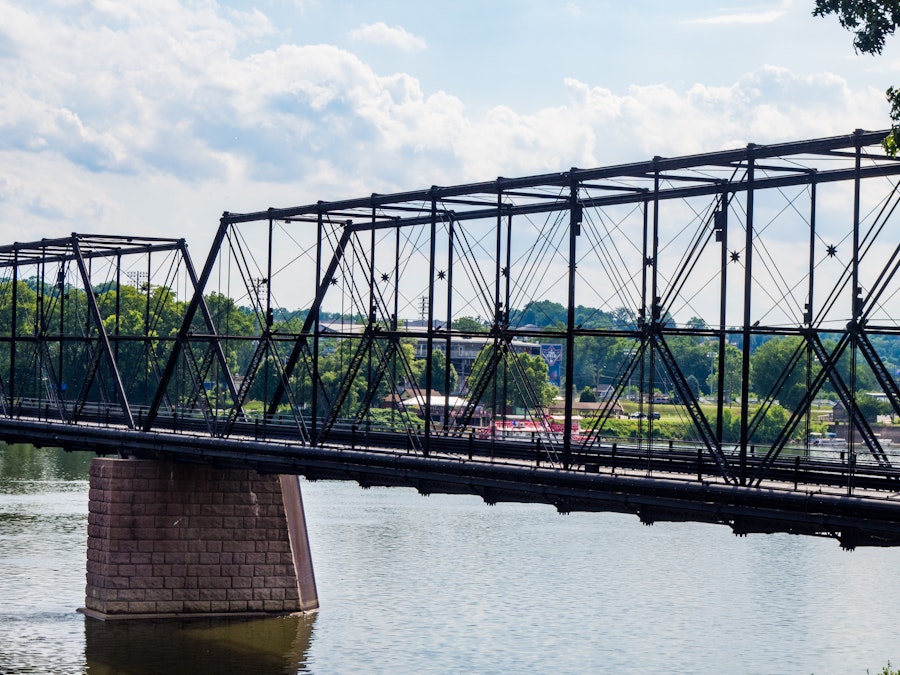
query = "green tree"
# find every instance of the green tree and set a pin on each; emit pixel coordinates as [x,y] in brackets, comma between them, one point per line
[469,324]
[771,425]
[400,419]
[870,22]
[438,373]
[696,323]
[26,313]
[597,359]
[768,364]
[539,313]
[732,380]
[333,370]
[523,376]
[771,360]
[864,377]
[871,407]
[25,308]
[587,395]
[766,432]
[231,320]
[624,318]
[693,384]
[695,358]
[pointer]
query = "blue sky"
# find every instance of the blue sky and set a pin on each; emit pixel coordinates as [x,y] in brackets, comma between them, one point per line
[124,117]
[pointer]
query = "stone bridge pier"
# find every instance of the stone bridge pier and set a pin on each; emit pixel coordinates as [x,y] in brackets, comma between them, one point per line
[168,539]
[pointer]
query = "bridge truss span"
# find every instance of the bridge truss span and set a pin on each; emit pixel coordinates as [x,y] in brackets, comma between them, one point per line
[734,312]
[85,337]
[643,257]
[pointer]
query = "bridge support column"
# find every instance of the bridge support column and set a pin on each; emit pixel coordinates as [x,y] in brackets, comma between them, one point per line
[177,539]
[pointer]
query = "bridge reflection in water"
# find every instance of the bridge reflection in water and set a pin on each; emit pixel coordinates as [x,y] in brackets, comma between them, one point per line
[268,645]
[119,346]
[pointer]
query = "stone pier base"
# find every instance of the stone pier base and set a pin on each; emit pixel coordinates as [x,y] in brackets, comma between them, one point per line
[173,540]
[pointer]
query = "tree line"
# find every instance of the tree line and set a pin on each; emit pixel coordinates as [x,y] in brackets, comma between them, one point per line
[142,322]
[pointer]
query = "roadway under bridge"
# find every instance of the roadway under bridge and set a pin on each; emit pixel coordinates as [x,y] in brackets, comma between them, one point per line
[408,339]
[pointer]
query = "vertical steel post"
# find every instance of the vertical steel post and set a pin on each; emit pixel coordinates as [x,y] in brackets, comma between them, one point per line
[722,228]
[496,324]
[809,312]
[118,302]
[60,287]
[506,301]
[372,309]
[270,319]
[147,343]
[574,231]
[501,311]
[642,316]
[448,344]
[39,320]
[748,295]
[508,274]
[645,322]
[272,409]
[317,330]
[429,329]
[856,301]
[14,329]
[395,404]
[655,308]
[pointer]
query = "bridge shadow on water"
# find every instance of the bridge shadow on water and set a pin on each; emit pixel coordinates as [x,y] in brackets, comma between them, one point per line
[265,645]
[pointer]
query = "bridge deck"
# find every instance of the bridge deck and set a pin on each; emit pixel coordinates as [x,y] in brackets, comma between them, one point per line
[661,490]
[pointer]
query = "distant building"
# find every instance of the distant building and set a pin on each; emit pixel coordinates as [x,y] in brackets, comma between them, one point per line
[464,351]
[418,402]
[605,392]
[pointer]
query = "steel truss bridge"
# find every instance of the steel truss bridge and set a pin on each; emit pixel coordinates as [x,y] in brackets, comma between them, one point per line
[117,344]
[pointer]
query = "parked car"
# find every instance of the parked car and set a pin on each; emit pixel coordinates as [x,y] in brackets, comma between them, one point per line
[643,416]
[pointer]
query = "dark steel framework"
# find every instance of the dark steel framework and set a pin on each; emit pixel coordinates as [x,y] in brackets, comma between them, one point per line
[81,339]
[728,248]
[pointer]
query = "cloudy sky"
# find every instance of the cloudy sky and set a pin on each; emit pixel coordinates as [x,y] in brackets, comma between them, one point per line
[119,116]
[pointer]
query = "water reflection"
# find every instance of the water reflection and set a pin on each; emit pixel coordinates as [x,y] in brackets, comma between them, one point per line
[26,470]
[445,584]
[267,645]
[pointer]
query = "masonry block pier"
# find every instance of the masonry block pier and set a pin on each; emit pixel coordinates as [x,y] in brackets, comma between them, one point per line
[183,539]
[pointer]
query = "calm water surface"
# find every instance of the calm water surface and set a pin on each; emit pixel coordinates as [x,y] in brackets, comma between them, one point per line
[445,584]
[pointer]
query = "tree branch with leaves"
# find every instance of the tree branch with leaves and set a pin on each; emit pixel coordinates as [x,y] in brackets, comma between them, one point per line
[871,22]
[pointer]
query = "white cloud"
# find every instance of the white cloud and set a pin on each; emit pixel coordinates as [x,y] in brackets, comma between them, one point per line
[599,127]
[392,36]
[760,16]
[740,18]
[119,120]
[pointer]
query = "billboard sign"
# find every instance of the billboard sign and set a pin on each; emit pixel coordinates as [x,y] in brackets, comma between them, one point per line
[552,354]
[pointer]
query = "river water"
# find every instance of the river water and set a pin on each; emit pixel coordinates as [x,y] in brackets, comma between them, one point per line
[446,584]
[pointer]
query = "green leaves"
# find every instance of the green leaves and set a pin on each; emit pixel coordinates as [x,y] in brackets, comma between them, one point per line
[891,142]
[869,21]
